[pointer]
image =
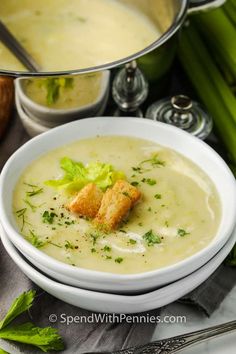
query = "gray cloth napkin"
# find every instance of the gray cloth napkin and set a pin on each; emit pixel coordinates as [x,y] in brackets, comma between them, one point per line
[208,296]
[78,338]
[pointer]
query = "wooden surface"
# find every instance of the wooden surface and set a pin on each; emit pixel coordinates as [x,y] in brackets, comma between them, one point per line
[13,138]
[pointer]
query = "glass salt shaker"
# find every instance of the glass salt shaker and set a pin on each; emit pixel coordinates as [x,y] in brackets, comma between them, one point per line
[183,113]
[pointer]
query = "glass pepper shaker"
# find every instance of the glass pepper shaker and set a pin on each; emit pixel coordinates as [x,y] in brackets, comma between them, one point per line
[183,113]
[129,90]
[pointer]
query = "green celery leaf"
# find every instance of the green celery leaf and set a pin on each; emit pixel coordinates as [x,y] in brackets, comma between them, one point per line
[46,339]
[77,175]
[20,305]
[73,169]
[53,86]
[3,351]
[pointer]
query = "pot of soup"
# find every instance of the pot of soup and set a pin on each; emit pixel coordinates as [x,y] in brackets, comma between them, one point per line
[79,36]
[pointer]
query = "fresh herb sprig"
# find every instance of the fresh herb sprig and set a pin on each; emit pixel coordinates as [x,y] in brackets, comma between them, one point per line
[144,166]
[35,240]
[21,215]
[154,161]
[34,190]
[149,181]
[46,339]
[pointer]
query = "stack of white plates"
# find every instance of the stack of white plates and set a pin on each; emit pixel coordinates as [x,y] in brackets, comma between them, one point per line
[106,292]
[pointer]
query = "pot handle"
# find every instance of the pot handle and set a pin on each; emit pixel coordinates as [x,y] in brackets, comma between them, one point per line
[197,5]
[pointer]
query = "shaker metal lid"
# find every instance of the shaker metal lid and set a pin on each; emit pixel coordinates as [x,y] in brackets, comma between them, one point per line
[183,113]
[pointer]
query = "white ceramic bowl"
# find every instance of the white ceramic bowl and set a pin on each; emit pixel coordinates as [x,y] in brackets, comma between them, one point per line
[166,135]
[34,126]
[59,116]
[113,303]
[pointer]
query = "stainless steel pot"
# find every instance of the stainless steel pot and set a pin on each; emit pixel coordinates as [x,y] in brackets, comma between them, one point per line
[168,15]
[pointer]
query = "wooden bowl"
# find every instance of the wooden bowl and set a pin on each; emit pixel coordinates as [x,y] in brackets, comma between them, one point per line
[6,102]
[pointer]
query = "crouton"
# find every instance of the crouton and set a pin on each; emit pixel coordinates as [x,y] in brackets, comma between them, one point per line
[87,202]
[115,206]
[127,189]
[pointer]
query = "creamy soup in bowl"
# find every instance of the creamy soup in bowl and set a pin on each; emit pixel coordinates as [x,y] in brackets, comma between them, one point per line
[177,214]
[117,204]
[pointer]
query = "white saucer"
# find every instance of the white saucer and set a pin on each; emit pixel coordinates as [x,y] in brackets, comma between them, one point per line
[112,303]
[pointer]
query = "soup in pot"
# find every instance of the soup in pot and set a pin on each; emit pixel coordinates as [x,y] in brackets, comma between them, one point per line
[74,34]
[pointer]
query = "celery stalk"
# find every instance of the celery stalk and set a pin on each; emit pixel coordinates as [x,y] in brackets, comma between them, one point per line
[230,10]
[220,35]
[210,86]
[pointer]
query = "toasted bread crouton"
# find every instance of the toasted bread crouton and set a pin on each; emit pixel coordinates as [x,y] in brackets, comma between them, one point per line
[127,189]
[87,202]
[115,206]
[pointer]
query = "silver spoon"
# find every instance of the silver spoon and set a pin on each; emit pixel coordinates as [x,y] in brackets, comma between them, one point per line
[176,344]
[16,48]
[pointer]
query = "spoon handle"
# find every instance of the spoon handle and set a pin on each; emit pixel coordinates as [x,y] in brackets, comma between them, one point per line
[175,344]
[16,48]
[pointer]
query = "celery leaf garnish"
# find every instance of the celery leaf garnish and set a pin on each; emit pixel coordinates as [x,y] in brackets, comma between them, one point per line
[77,175]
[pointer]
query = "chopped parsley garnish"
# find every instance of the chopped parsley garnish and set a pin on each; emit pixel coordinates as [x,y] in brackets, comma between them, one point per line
[149,209]
[107,249]
[119,260]
[182,232]
[69,222]
[48,217]
[69,245]
[137,169]
[108,257]
[132,241]
[140,224]
[123,231]
[93,250]
[35,240]
[134,183]
[94,236]
[149,181]
[151,238]
[157,196]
